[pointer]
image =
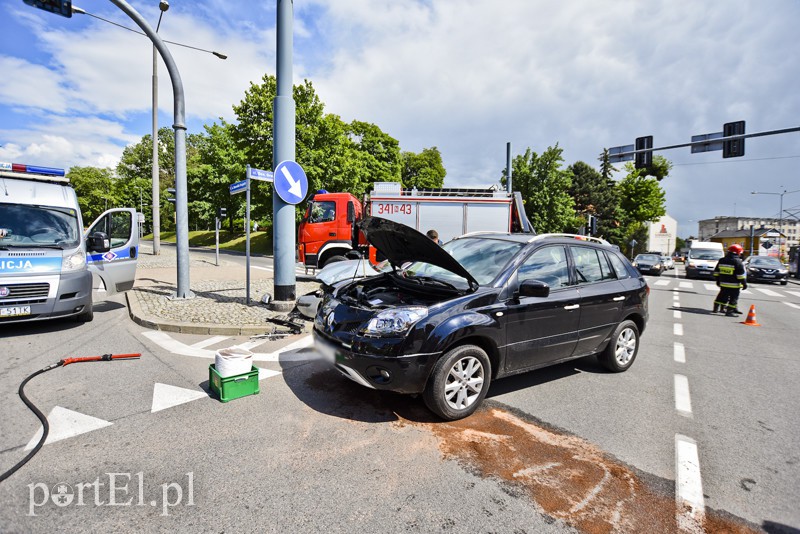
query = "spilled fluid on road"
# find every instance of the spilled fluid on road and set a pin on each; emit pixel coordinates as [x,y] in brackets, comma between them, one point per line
[566,477]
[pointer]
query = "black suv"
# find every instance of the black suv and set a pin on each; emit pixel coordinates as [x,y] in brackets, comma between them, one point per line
[449,319]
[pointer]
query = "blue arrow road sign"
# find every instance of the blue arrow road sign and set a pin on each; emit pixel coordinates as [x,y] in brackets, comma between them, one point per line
[238,187]
[291,183]
[258,174]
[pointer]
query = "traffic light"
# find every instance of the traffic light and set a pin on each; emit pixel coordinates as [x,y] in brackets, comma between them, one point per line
[592,224]
[735,147]
[59,7]
[171,193]
[644,160]
[222,213]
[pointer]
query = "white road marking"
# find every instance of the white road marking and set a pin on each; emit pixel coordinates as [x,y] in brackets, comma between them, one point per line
[688,485]
[266,373]
[687,285]
[768,292]
[794,293]
[679,352]
[683,402]
[163,340]
[676,314]
[662,283]
[270,269]
[711,287]
[792,304]
[210,341]
[677,329]
[165,396]
[66,424]
[262,268]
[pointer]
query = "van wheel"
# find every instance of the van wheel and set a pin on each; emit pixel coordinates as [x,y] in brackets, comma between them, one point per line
[459,382]
[334,259]
[622,349]
[86,316]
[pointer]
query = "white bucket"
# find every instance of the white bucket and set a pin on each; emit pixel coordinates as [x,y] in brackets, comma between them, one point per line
[233,361]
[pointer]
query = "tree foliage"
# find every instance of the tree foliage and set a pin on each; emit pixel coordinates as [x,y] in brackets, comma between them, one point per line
[596,195]
[544,186]
[423,170]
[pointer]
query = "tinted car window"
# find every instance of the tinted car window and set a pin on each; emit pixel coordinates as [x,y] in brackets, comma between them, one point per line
[482,258]
[548,265]
[766,262]
[619,266]
[587,265]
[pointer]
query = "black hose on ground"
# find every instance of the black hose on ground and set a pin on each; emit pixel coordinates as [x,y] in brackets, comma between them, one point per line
[39,414]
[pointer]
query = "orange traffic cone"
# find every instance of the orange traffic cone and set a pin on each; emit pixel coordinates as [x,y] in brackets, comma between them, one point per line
[751,317]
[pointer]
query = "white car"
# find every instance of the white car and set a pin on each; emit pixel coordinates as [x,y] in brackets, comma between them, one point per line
[668,263]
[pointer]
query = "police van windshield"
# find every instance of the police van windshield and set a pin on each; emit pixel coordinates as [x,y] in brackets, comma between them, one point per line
[705,254]
[27,226]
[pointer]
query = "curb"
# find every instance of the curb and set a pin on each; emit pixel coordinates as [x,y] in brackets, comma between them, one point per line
[137,316]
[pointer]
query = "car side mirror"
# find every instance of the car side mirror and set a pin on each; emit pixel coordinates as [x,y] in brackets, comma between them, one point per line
[98,242]
[351,213]
[534,288]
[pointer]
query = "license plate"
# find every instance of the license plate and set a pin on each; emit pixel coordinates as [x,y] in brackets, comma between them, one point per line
[768,276]
[327,351]
[15,311]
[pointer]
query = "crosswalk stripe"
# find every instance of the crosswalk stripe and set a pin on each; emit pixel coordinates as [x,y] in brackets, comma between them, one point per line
[768,292]
[710,287]
[792,304]
[662,283]
[687,285]
[794,293]
[210,341]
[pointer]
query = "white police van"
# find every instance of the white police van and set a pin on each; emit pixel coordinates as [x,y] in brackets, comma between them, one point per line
[48,264]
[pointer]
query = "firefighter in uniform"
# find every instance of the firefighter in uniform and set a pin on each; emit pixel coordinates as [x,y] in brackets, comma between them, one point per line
[731,277]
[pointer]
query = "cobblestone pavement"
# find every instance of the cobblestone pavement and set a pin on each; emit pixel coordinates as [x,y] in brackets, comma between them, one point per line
[219,305]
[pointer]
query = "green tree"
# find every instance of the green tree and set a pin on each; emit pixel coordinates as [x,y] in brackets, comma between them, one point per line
[641,200]
[544,186]
[334,155]
[95,188]
[607,169]
[220,163]
[595,195]
[423,170]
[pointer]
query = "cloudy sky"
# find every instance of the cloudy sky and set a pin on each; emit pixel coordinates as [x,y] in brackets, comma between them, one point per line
[466,76]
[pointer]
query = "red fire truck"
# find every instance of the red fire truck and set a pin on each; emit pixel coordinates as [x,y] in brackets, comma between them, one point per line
[329,232]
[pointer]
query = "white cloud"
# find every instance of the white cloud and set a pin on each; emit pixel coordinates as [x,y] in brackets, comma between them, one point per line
[463,75]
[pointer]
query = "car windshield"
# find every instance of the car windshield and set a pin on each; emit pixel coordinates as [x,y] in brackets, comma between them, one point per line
[482,258]
[38,226]
[705,254]
[647,258]
[766,262]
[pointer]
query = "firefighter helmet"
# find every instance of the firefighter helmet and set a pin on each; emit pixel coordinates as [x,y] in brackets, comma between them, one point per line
[736,249]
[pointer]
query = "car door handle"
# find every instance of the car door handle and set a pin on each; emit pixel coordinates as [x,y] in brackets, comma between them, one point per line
[617,299]
[332,234]
[572,307]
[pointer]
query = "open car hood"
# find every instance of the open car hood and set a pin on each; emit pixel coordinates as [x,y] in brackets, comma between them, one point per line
[401,244]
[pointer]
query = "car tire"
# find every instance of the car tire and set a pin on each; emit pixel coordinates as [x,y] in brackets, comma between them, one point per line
[85,317]
[784,282]
[622,349]
[454,398]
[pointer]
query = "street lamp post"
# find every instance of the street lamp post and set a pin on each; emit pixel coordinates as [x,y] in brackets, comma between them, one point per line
[780,215]
[156,219]
[163,5]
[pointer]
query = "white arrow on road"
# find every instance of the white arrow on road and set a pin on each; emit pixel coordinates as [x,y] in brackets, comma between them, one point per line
[294,186]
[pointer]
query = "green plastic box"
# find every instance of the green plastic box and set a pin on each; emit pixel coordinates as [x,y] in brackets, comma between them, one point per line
[233,387]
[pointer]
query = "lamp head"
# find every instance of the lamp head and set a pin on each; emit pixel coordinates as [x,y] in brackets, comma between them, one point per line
[163,5]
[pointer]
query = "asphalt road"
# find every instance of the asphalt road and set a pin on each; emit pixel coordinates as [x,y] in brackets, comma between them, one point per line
[570,448]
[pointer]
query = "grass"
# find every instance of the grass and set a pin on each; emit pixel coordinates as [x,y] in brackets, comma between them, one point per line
[260,242]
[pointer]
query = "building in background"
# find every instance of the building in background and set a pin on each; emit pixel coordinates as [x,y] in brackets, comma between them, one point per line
[779,235]
[661,235]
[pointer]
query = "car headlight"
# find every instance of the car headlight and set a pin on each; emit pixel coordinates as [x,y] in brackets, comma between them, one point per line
[74,262]
[635,264]
[395,321]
